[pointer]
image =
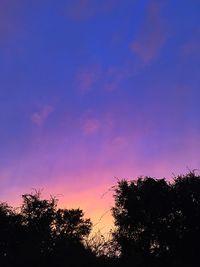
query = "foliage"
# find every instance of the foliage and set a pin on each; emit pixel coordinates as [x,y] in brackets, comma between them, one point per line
[158,223]
[103,245]
[32,236]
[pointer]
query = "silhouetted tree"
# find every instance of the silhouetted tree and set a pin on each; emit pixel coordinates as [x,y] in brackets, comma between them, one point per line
[69,231]
[158,223]
[39,234]
[103,245]
[37,217]
[11,232]
[186,227]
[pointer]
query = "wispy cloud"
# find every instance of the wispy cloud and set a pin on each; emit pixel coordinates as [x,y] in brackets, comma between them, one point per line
[88,77]
[114,77]
[91,126]
[119,141]
[92,77]
[152,35]
[42,115]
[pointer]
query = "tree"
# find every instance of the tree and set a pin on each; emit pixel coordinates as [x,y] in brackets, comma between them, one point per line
[158,222]
[70,224]
[187,218]
[10,231]
[40,234]
[69,230]
[37,218]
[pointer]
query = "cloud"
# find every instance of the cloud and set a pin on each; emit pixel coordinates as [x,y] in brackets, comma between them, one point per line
[91,126]
[108,79]
[86,9]
[119,141]
[152,35]
[42,115]
[114,77]
[88,77]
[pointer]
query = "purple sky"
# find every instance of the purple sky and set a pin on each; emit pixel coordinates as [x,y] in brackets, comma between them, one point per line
[91,90]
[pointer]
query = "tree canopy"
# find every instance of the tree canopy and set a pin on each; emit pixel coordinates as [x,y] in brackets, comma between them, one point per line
[158,222]
[39,233]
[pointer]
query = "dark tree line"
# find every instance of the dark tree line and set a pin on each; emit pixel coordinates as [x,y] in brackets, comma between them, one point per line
[157,223]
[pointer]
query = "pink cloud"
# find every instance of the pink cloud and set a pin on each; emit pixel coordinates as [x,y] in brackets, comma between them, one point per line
[88,77]
[119,141]
[91,126]
[152,36]
[91,77]
[103,124]
[114,77]
[41,116]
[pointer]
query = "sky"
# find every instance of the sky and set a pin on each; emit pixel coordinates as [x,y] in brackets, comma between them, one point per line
[92,91]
